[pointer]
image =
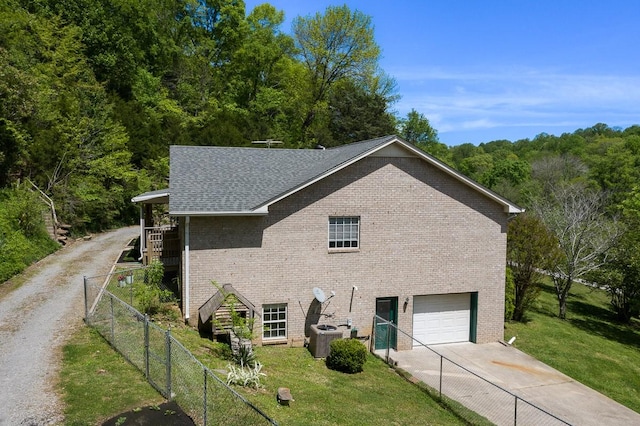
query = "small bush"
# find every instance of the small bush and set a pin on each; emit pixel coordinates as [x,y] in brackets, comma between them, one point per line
[347,355]
[244,354]
[245,376]
[150,295]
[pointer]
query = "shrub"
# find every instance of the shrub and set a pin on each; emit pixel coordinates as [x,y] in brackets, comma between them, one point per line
[23,236]
[347,355]
[150,295]
[243,354]
[245,376]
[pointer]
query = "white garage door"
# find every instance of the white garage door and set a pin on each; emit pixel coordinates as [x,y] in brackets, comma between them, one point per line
[442,318]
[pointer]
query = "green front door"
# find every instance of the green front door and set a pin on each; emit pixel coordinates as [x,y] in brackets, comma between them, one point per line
[387,309]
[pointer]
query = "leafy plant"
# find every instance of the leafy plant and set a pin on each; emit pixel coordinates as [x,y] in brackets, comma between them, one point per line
[244,356]
[242,328]
[23,236]
[150,295]
[347,355]
[509,295]
[245,376]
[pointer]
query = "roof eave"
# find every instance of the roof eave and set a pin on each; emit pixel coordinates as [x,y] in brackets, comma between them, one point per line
[155,198]
[262,211]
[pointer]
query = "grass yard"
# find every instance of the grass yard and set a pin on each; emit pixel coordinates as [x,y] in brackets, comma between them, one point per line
[377,396]
[589,346]
[98,383]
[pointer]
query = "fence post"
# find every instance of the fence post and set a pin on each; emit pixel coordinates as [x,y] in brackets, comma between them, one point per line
[206,373]
[167,345]
[113,327]
[515,412]
[86,300]
[146,346]
[440,377]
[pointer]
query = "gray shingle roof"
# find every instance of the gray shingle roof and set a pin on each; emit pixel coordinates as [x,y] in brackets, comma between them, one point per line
[207,179]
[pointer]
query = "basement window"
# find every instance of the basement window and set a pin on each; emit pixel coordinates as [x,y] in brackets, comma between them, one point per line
[344,232]
[274,321]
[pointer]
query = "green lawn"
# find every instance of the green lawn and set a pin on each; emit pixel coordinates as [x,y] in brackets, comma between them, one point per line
[377,396]
[590,345]
[97,383]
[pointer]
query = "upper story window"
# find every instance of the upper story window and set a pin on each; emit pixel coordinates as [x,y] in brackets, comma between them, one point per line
[344,232]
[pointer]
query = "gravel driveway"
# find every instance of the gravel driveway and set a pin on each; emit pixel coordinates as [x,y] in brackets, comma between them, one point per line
[37,318]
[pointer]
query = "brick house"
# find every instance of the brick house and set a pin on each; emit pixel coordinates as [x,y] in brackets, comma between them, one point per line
[335,236]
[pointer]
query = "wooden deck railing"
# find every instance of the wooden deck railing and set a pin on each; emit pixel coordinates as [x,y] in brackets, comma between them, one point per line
[163,244]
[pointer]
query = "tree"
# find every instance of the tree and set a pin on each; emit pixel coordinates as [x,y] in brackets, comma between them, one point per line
[531,248]
[333,46]
[417,130]
[615,164]
[509,295]
[356,115]
[622,274]
[576,215]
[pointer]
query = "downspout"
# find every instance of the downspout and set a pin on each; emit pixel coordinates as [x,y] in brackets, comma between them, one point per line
[186,268]
[143,242]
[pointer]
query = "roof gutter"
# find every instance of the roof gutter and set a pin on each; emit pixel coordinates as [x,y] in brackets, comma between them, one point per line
[261,211]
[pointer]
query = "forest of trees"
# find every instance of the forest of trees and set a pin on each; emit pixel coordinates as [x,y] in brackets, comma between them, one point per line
[93,93]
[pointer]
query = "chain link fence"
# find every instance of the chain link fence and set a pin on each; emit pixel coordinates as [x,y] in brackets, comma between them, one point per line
[168,365]
[463,390]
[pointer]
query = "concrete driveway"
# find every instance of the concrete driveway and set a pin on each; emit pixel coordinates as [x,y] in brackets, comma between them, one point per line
[526,379]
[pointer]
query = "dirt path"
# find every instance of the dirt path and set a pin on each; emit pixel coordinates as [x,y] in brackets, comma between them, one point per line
[38,317]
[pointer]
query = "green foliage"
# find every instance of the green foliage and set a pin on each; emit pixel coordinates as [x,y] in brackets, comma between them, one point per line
[245,376]
[531,248]
[245,355]
[356,115]
[621,274]
[94,92]
[347,355]
[509,295]
[417,129]
[333,46]
[150,295]
[23,237]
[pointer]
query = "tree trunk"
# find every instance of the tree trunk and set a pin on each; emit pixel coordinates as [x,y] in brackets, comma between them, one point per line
[562,313]
[562,292]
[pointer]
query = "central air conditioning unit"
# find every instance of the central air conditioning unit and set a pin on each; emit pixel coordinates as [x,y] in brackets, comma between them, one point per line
[320,339]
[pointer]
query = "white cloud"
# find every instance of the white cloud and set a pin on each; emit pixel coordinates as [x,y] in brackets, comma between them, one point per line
[456,101]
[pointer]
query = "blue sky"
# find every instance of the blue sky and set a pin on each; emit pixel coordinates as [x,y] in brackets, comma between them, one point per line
[489,70]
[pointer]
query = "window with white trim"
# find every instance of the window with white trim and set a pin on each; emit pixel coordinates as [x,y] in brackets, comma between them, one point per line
[344,232]
[274,321]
